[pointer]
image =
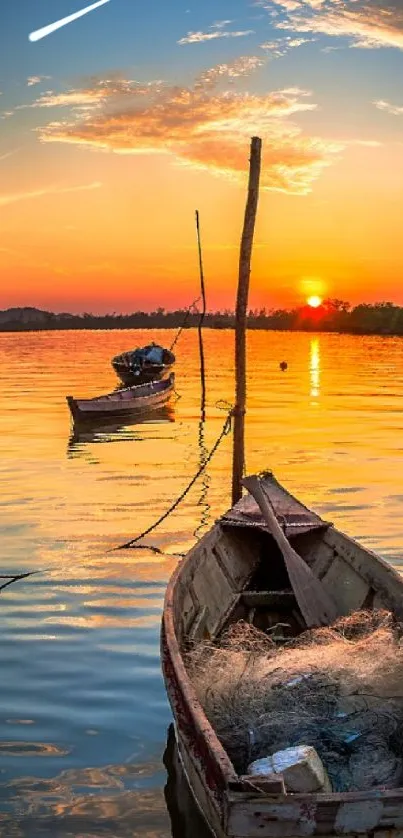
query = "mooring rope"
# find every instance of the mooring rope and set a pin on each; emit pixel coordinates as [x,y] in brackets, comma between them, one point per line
[132,544]
[11,578]
[192,307]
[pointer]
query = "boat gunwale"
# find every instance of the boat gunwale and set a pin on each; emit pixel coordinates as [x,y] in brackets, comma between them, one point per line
[203,728]
[163,384]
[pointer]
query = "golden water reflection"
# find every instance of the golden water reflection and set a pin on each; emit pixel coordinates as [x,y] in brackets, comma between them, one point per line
[80,641]
[314,367]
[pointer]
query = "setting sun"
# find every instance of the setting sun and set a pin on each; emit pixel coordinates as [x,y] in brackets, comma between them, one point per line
[314,301]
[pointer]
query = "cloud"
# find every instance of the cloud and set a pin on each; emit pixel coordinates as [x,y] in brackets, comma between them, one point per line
[395,110]
[95,94]
[243,66]
[216,31]
[366,24]
[221,24]
[280,46]
[205,126]
[13,198]
[32,80]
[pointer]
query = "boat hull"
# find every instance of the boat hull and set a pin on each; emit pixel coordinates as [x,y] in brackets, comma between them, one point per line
[131,402]
[210,584]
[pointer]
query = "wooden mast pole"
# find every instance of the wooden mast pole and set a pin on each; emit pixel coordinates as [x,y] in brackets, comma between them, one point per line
[241,318]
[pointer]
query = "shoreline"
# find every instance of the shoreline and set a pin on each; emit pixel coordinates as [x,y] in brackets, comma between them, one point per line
[35,327]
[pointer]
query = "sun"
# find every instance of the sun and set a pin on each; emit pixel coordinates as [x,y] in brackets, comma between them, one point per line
[314,301]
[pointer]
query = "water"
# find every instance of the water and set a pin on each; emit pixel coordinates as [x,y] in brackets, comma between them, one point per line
[83,712]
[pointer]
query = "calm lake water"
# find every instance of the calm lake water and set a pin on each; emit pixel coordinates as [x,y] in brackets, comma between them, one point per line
[83,711]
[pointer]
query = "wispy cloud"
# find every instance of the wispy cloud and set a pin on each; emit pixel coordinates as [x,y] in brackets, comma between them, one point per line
[33,80]
[365,24]
[94,95]
[216,31]
[243,66]
[278,47]
[203,126]
[395,110]
[14,197]
[221,24]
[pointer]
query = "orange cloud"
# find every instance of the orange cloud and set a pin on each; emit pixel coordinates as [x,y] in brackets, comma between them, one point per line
[368,25]
[200,126]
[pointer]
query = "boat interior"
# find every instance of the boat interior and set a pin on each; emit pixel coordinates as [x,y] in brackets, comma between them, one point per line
[238,572]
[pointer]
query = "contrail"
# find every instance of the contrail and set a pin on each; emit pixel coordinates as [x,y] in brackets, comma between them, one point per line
[47,30]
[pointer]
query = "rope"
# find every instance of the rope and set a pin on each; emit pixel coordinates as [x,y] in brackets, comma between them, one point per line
[185,320]
[133,542]
[16,578]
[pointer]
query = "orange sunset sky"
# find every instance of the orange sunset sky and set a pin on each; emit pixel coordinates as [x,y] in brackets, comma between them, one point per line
[116,127]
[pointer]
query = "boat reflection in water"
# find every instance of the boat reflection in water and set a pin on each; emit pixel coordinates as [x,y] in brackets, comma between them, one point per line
[186,818]
[112,431]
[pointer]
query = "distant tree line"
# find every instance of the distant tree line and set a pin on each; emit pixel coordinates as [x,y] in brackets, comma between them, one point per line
[333,315]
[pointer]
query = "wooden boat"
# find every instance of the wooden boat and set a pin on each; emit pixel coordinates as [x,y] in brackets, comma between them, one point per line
[237,571]
[139,366]
[128,402]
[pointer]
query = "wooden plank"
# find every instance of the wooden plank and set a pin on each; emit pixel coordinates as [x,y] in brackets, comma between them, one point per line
[284,818]
[296,815]
[198,629]
[238,555]
[290,511]
[348,589]
[272,784]
[188,611]
[379,575]
[212,587]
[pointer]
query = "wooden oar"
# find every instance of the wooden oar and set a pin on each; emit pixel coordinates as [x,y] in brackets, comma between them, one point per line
[316,606]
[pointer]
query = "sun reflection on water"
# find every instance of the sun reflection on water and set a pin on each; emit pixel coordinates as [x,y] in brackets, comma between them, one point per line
[314,367]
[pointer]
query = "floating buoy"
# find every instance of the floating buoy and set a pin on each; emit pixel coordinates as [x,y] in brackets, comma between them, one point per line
[283,366]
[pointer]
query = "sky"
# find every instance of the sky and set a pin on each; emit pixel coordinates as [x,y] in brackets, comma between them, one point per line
[116,127]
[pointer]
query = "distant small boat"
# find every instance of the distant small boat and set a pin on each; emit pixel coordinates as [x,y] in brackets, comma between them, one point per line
[147,363]
[130,401]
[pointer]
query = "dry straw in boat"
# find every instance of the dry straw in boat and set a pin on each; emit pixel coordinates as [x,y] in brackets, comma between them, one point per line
[337,689]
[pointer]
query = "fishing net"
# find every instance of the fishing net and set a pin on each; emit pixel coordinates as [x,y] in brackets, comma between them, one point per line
[338,689]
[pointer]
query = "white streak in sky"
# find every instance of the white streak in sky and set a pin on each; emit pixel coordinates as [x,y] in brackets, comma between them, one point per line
[8,154]
[47,30]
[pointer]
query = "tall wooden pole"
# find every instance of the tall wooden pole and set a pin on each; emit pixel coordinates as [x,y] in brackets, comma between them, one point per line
[201,320]
[241,318]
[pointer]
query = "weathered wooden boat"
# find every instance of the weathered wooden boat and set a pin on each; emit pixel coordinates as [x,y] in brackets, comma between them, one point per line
[237,571]
[128,402]
[147,363]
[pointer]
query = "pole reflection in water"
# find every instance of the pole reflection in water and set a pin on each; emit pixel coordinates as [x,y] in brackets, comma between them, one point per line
[203,503]
[314,367]
[186,818]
